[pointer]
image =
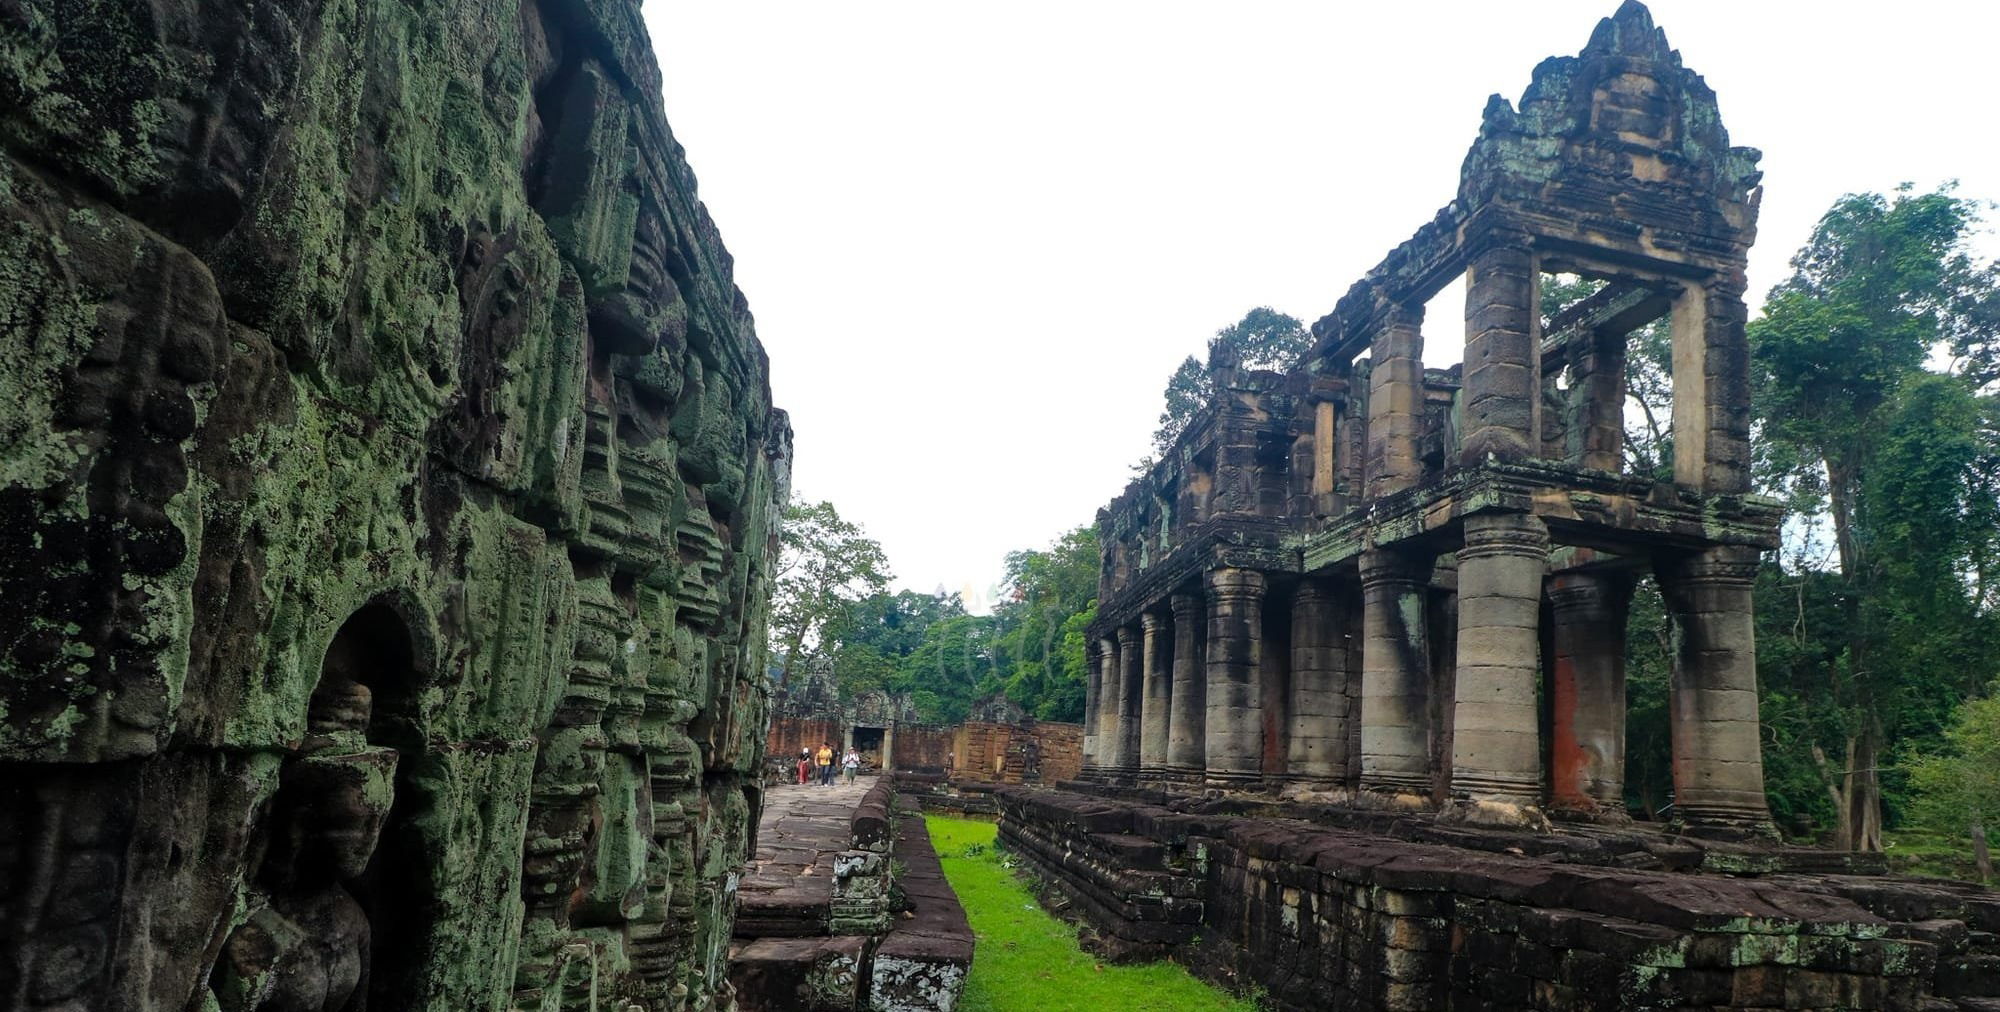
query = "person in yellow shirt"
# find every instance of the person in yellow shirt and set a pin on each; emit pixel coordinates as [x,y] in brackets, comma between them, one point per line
[825,759]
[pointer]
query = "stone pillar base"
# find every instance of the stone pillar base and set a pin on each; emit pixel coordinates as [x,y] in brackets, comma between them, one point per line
[1501,790]
[1316,791]
[1496,815]
[1396,782]
[1230,780]
[1395,800]
[1716,820]
[1591,813]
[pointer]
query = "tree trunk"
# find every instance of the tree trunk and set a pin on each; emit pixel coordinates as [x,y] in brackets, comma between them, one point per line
[1840,479]
[1861,793]
[1981,857]
[1832,782]
[1860,801]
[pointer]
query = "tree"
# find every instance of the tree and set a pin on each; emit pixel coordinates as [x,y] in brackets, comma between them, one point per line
[1263,339]
[1957,788]
[877,634]
[825,566]
[1857,430]
[953,666]
[1189,390]
[1040,642]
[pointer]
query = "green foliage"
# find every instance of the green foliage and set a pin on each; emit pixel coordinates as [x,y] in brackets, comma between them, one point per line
[1263,339]
[825,566]
[1875,642]
[927,649]
[895,624]
[1648,673]
[1189,390]
[1959,784]
[860,667]
[951,668]
[1027,960]
[1878,618]
[1051,598]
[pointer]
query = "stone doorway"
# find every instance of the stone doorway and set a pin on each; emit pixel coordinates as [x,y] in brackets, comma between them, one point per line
[868,742]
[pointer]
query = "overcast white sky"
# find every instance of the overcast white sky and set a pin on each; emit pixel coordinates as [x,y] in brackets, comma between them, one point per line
[978,236]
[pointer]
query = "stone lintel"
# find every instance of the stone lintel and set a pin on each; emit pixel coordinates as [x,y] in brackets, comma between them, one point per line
[1581,507]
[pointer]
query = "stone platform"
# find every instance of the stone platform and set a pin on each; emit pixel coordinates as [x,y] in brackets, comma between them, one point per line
[844,907]
[1325,917]
[788,888]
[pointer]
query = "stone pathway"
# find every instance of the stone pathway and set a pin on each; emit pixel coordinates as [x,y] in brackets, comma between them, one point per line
[789,882]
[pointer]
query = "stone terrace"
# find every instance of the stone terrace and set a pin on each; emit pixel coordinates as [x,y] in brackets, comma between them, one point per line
[829,920]
[1331,917]
[788,888]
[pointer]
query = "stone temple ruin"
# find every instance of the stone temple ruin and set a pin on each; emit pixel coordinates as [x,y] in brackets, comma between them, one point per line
[1343,577]
[1357,702]
[387,478]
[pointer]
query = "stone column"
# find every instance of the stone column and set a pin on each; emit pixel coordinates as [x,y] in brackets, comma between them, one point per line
[1107,708]
[1718,766]
[1094,685]
[1396,402]
[1502,395]
[1587,691]
[1234,724]
[1186,747]
[1395,675]
[1157,702]
[1317,753]
[1326,453]
[1711,368]
[1496,752]
[1131,696]
[1597,403]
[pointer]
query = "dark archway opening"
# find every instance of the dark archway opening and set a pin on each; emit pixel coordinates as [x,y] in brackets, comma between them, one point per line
[399,890]
[868,743]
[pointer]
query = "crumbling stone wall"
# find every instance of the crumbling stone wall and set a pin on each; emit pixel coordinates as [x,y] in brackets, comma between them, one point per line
[387,480]
[1028,752]
[1319,916]
[922,748]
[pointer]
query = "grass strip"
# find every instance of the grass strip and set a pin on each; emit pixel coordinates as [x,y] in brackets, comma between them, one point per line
[1027,960]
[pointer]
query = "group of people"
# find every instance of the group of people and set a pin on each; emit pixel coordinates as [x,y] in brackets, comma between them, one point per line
[820,765]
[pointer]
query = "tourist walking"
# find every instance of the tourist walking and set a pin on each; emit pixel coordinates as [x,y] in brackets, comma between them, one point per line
[851,762]
[825,764]
[805,765]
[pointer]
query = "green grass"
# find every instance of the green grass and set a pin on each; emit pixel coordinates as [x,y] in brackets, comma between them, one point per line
[1027,960]
[1915,852]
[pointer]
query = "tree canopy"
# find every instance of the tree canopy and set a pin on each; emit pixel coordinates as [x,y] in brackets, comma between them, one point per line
[1263,339]
[1875,427]
[825,566]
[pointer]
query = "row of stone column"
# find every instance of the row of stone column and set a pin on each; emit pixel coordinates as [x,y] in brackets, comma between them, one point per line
[1186,695]
[1496,752]
[1197,694]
